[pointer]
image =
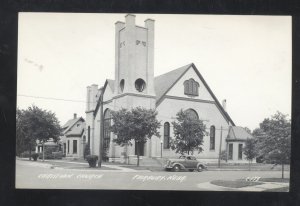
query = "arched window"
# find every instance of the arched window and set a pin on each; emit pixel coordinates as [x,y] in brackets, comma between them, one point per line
[212,137]
[107,124]
[192,114]
[122,83]
[140,85]
[89,133]
[166,135]
[191,87]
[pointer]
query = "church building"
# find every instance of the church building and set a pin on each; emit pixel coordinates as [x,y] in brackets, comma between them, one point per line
[135,86]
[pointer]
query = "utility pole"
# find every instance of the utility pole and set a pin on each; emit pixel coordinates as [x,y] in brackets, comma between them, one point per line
[219,161]
[101,130]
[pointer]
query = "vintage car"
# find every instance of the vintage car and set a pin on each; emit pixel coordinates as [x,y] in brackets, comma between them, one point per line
[185,163]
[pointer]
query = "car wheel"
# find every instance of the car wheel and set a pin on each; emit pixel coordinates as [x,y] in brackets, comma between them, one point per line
[200,168]
[176,168]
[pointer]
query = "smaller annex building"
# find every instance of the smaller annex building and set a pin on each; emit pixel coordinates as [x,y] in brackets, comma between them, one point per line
[73,138]
[235,142]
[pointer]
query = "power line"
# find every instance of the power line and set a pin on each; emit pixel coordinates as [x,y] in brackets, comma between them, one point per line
[107,105]
[52,98]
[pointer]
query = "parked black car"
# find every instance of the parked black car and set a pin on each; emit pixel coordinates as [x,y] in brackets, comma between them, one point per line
[185,162]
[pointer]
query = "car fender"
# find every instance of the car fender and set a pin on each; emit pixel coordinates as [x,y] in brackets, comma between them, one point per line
[177,163]
[202,165]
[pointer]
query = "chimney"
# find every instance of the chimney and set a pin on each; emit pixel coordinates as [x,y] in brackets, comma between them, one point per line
[224,104]
[75,116]
[130,20]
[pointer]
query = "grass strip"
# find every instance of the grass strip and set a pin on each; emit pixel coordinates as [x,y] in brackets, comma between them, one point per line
[234,183]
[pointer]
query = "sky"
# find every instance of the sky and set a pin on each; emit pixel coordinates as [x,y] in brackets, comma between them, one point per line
[246,60]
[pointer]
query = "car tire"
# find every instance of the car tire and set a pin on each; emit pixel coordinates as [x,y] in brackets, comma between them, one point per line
[176,168]
[200,168]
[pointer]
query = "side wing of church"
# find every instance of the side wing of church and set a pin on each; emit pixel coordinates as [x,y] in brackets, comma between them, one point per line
[135,85]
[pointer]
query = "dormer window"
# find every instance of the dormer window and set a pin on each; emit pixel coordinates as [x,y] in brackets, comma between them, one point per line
[191,87]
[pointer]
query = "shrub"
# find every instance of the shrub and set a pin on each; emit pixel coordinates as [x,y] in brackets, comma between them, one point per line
[35,156]
[26,154]
[57,155]
[105,157]
[87,151]
[92,160]
[48,152]
[223,155]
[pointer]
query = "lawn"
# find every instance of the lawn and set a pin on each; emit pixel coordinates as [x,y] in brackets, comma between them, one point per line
[287,180]
[234,183]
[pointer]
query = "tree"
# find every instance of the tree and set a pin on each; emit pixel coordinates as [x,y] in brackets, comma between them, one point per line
[36,124]
[24,142]
[223,155]
[274,139]
[250,150]
[138,125]
[247,130]
[188,132]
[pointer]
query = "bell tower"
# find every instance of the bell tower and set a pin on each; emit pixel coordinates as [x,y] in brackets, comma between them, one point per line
[134,63]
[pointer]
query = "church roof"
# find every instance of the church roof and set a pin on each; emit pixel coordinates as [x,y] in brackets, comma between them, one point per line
[165,81]
[238,133]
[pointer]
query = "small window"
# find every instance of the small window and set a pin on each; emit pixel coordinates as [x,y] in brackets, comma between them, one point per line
[140,85]
[68,146]
[122,83]
[212,137]
[191,87]
[74,146]
[230,152]
[240,151]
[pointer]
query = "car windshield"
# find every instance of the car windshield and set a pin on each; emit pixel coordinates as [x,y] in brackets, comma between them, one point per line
[191,158]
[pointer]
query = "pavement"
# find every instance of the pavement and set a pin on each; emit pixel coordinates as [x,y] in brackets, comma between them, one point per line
[64,174]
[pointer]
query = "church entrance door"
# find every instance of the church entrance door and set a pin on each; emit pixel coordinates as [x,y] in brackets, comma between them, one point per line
[139,146]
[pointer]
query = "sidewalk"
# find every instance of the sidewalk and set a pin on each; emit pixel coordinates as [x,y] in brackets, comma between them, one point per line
[65,164]
[255,188]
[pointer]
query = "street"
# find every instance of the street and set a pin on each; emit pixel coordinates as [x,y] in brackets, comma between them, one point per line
[42,176]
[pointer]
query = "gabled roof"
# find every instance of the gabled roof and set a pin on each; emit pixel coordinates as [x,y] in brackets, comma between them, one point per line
[164,82]
[76,130]
[66,127]
[238,133]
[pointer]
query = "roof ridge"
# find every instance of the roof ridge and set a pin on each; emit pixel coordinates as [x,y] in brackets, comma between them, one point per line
[182,67]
